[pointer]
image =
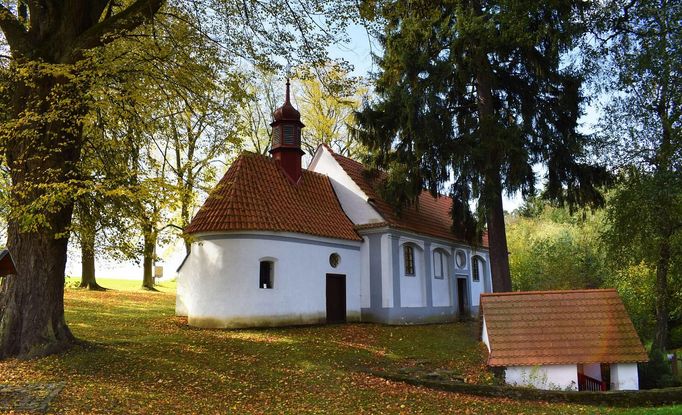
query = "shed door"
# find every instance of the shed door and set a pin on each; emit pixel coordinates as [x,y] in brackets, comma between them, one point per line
[336,298]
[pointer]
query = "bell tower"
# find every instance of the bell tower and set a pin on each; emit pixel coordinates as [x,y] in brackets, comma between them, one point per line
[286,138]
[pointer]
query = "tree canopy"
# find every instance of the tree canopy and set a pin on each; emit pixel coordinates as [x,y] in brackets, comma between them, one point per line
[51,82]
[641,132]
[474,94]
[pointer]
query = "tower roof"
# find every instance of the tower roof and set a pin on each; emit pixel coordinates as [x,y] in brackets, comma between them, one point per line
[286,112]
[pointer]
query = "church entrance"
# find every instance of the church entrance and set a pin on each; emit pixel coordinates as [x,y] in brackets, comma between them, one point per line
[336,298]
[462,297]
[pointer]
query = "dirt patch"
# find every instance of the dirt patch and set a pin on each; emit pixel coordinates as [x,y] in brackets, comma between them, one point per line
[32,397]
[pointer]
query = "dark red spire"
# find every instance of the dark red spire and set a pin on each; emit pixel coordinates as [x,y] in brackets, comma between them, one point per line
[287,112]
[286,138]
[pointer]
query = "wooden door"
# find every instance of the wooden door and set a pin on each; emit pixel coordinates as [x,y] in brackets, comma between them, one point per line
[336,298]
[462,297]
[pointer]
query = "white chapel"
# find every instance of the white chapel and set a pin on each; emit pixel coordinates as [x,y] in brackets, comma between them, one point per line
[275,244]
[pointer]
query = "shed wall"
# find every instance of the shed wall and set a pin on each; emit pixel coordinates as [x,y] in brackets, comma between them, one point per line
[558,377]
[624,376]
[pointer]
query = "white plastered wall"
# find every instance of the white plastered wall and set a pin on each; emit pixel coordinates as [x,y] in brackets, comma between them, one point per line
[484,335]
[552,377]
[365,294]
[182,289]
[353,200]
[218,284]
[624,376]
[386,272]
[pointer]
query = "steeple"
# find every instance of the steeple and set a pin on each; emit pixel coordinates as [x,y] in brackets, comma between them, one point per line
[286,138]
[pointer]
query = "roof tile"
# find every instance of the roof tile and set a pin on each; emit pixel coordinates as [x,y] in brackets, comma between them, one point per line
[559,327]
[429,216]
[256,195]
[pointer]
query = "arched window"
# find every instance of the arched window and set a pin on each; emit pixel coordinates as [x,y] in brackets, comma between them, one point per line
[475,275]
[267,274]
[408,254]
[440,264]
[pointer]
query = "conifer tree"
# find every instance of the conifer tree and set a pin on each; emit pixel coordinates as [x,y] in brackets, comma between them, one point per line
[479,91]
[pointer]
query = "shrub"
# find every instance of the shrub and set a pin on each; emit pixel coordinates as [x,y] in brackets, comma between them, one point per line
[676,337]
[656,373]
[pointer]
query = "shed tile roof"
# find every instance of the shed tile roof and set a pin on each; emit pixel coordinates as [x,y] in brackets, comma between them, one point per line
[256,195]
[559,327]
[429,216]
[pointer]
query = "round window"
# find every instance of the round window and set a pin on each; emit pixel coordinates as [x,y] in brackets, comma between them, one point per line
[460,259]
[334,260]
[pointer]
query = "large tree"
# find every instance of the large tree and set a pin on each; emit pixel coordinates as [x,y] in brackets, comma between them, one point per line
[42,144]
[479,91]
[642,128]
[328,98]
[47,93]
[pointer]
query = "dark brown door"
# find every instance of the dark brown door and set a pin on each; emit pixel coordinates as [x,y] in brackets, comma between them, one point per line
[336,298]
[462,296]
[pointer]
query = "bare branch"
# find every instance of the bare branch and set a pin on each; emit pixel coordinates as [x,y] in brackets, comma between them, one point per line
[15,33]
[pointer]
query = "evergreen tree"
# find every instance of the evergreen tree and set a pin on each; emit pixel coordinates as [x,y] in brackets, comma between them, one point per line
[479,91]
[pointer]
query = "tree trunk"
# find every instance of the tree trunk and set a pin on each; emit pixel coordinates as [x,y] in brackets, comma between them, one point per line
[88,279]
[42,154]
[492,197]
[185,219]
[32,308]
[660,342]
[497,237]
[149,257]
[41,138]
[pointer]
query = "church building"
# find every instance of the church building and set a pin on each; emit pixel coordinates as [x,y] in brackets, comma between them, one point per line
[275,244]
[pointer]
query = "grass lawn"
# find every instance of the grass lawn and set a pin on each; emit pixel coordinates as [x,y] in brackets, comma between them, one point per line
[141,359]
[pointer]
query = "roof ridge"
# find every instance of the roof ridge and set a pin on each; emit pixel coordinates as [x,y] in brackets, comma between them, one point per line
[272,160]
[584,290]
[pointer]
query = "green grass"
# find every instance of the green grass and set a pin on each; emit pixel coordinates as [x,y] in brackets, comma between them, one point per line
[138,358]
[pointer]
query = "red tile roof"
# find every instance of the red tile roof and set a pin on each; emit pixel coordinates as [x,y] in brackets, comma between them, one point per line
[256,195]
[429,216]
[559,327]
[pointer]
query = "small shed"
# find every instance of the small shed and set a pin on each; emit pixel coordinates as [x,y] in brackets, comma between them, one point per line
[570,340]
[6,264]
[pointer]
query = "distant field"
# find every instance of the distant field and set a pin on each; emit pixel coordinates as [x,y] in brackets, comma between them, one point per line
[138,358]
